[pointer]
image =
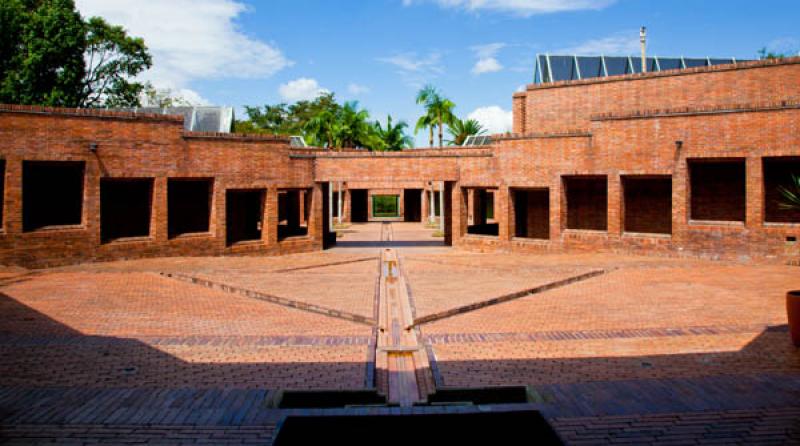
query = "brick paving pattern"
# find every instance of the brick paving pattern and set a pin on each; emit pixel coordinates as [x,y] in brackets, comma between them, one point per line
[663,351]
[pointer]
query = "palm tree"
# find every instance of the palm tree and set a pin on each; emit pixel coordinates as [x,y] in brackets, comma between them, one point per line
[439,108]
[790,194]
[461,129]
[392,138]
[322,128]
[426,121]
[354,129]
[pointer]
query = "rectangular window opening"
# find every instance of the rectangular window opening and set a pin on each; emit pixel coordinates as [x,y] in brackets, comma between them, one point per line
[480,209]
[189,206]
[647,204]
[531,213]
[52,194]
[244,211]
[293,209]
[717,190]
[587,202]
[125,208]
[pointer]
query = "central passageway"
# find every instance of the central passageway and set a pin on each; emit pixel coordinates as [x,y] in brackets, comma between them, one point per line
[403,368]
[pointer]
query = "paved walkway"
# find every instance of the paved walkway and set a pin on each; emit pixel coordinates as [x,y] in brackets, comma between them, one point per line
[648,350]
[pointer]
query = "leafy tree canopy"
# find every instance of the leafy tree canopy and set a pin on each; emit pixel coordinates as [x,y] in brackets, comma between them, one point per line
[50,56]
[324,122]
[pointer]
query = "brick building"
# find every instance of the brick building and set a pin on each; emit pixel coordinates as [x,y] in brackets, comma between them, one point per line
[677,162]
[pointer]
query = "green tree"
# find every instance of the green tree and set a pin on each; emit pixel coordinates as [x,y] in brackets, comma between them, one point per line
[114,59]
[322,129]
[391,137]
[43,64]
[353,129]
[50,56]
[461,129]
[439,108]
[426,121]
[285,119]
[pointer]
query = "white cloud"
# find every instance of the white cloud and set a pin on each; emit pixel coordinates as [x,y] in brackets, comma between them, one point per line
[191,39]
[302,89]
[414,69]
[488,65]
[621,44]
[524,8]
[356,89]
[487,62]
[493,118]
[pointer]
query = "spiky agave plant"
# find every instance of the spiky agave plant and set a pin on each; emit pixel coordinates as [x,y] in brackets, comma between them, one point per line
[790,195]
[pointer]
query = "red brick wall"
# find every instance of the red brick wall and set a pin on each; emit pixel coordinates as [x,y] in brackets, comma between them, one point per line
[139,147]
[651,124]
[566,106]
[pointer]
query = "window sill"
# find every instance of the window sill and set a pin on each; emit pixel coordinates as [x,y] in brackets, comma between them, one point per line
[124,240]
[726,223]
[295,238]
[482,236]
[530,240]
[585,231]
[245,243]
[660,235]
[56,228]
[192,236]
[786,225]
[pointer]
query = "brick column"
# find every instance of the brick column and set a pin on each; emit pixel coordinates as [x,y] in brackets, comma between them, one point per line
[315,216]
[347,217]
[13,196]
[501,214]
[558,209]
[459,214]
[614,204]
[269,221]
[511,214]
[754,181]
[159,217]
[425,205]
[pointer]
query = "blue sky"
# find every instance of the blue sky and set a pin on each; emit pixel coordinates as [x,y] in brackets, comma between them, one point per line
[379,52]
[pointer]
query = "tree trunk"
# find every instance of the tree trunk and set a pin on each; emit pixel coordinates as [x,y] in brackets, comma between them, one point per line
[430,134]
[441,128]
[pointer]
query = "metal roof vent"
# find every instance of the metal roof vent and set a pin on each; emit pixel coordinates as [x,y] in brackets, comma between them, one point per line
[477,140]
[297,142]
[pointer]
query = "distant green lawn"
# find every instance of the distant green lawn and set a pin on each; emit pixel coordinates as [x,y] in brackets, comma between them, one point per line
[385,205]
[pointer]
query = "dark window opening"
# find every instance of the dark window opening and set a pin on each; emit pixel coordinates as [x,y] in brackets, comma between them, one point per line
[481,207]
[648,204]
[2,191]
[385,206]
[244,211]
[587,202]
[412,205]
[189,206]
[780,174]
[717,190]
[531,213]
[125,208]
[449,428]
[293,208]
[52,194]
[359,205]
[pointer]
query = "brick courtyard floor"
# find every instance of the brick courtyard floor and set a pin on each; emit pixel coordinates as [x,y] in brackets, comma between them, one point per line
[644,350]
